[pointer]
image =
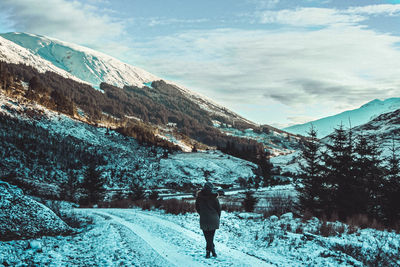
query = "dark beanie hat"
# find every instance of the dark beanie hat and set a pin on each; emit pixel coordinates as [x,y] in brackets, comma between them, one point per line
[208,187]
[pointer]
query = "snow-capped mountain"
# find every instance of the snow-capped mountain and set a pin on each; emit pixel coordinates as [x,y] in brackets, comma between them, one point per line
[86,64]
[13,53]
[94,68]
[357,117]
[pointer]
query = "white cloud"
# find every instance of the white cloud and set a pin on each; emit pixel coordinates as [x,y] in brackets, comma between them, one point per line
[309,16]
[382,9]
[327,69]
[264,3]
[67,20]
[316,16]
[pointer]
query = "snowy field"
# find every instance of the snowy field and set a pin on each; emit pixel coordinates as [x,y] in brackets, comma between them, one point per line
[132,237]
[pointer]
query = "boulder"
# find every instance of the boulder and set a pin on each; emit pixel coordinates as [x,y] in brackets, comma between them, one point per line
[287,216]
[22,217]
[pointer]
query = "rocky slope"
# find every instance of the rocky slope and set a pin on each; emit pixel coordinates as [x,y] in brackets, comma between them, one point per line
[21,217]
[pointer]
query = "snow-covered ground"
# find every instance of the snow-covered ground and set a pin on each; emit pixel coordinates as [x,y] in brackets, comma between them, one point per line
[13,53]
[124,154]
[195,167]
[132,237]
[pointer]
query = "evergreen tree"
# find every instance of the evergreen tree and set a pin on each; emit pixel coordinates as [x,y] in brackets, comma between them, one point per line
[68,188]
[368,185]
[137,190]
[391,189]
[337,173]
[310,186]
[92,185]
[249,202]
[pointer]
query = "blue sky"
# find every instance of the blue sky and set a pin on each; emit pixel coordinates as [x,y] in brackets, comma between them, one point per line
[278,62]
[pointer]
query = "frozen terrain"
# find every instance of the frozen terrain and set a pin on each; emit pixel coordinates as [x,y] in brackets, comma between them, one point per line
[13,53]
[86,64]
[124,155]
[131,237]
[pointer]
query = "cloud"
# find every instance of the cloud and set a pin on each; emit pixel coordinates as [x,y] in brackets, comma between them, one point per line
[67,20]
[262,4]
[333,68]
[317,16]
[157,21]
[309,16]
[301,119]
[382,9]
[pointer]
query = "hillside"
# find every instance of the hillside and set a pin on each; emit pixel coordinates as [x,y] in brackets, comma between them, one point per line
[41,148]
[101,71]
[84,63]
[357,117]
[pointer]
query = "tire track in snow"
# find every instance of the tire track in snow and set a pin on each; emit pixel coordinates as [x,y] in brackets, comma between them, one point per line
[226,252]
[167,251]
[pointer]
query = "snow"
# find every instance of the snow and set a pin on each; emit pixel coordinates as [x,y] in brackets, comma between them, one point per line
[84,63]
[357,117]
[277,143]
[193,168]
[132,237]
[167,251]
[95,67]
[13,53]
[22,217]
[180,168]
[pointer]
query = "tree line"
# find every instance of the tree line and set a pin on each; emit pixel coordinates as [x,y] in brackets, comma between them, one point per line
[350,176]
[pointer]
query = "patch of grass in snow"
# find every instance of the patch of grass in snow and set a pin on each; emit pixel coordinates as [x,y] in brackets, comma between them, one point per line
[172,206]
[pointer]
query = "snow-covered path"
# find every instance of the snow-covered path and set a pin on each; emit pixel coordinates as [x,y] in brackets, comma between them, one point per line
[177,245]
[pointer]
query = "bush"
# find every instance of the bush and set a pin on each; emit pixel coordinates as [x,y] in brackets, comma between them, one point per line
[362,221]
[327,229]
[279,204]
[231,207]
[154,195]
[249,201]
[175,206]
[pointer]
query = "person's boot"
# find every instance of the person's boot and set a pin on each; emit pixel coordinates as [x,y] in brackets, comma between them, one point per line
[213,252]
[208,254]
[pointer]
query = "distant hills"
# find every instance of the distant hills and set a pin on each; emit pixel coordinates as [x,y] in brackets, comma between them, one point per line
[356,117]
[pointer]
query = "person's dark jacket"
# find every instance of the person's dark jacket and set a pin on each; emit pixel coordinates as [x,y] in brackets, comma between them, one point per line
[209,209]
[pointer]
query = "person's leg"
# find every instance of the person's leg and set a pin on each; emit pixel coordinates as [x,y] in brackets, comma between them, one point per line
[212,233]
[208,237]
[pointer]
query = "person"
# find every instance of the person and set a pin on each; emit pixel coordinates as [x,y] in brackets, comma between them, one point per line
[209,209]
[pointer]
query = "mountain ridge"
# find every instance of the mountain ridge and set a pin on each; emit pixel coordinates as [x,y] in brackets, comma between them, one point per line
[353,118]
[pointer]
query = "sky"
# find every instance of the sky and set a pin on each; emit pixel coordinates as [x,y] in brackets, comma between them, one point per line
[274,62]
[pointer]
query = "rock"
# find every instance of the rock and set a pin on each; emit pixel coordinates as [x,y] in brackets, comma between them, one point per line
[287,216]
[35,245]
[22,217]
[273,218]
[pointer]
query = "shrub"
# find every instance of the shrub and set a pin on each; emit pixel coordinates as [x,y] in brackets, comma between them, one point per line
[327,229]
[154,195]
[362,221]
[249,201]
[279,204]
[175,206]
[231,206]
